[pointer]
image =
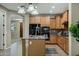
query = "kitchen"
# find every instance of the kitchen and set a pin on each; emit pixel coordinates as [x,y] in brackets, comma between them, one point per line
[46,31]
[43,28]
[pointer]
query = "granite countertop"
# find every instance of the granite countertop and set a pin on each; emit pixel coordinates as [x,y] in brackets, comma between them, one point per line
[66,37]
[36,37]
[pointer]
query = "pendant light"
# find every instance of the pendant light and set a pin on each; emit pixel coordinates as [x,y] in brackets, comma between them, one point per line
[34,12]
[30,8]
[21,10]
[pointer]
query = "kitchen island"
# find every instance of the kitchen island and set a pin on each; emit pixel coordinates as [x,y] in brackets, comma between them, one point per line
[36,45]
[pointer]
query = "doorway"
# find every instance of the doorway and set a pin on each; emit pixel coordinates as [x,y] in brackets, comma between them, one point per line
[15,31]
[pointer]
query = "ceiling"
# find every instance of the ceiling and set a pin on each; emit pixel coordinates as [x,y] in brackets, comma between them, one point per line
[43,8]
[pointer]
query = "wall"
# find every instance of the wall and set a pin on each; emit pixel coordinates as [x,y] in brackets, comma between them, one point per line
[6,22]
[75,18]
[10,15]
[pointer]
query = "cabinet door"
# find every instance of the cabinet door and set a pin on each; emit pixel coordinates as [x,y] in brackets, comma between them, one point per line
[31,19]
[36,47]
[64,18]
[67,46]
[37,19]
[58,22]
[52,23]
[53,39]
[61,42]
[43,20]
[48,21]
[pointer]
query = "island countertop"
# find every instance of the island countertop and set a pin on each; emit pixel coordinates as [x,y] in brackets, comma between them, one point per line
[37,37]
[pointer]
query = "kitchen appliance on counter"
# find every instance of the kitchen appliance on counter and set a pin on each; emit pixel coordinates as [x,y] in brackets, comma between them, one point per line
[46,32]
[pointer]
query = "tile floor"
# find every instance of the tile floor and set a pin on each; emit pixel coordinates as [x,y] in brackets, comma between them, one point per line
[54,50]
[14,50]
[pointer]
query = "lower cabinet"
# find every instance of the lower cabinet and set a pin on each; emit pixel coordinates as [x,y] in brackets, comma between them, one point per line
[67,46]
[53,39]
[63,43]
[36,47]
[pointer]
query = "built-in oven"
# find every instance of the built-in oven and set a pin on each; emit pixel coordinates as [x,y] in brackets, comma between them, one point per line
[34,29]
[46,32]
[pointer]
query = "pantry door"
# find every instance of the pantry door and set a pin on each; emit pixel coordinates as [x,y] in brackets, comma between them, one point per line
[1,30]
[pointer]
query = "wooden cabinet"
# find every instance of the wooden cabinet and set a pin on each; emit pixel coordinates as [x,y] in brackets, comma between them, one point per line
[36,47]
[45,20]
[64,18]
[67,46]
[58,22]
[63,43]
[31,20]
[53,39]
[34,19]
[37,19]
[52,23]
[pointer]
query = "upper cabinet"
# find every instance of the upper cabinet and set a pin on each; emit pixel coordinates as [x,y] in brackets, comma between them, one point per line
[45,21]
[58,22]
[31,19]
[64,18]
[52,22]
[37,20]
[34,19]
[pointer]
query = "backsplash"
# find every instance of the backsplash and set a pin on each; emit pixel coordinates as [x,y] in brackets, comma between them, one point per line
[60,32]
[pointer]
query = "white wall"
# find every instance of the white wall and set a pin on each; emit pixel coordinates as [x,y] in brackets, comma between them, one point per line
[75,18]
[6,22]
[10,15]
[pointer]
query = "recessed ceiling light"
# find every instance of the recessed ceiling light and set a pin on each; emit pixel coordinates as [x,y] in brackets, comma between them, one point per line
[53,7]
